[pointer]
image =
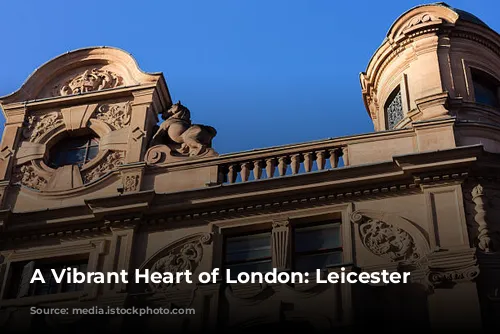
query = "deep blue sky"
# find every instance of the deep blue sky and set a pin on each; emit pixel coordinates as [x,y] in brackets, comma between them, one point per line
[262,72]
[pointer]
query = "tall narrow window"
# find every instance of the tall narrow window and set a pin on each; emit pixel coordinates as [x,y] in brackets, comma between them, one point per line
[317,246]
[394,109]
[248,253]
[485,88]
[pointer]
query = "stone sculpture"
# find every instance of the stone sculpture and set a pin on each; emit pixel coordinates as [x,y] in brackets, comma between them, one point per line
[180,135]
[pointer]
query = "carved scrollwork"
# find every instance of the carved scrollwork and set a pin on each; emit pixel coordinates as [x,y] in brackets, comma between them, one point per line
[91,80]
[185,256]
[386,240]
[37,126]
[109,163]
[164,154]
[28,176]
[422,18]
[117,115]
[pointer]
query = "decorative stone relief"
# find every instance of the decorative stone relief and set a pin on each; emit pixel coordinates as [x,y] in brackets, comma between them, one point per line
[28,176]
[91,80]
[488,237]
[184,256]
[37,126]
[117,115]
[422,18]
[110,162]
[131,183]
[183,138]
[386,240]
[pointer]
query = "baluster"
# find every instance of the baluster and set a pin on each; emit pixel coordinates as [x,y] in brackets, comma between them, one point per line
[245,171]
[295,164]
[334,158]
[308,162]
[345,155]
[232,174]
[320,160]
[270,166]
[282,166]
[257,170]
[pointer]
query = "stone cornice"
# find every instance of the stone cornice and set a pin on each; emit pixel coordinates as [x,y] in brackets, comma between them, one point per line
[404,174]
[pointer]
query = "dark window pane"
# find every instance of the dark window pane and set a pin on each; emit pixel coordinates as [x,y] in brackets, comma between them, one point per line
[246,248]
[485,95]
[257,266]
[317,238]
[74,156]
[317,261]
[92,153]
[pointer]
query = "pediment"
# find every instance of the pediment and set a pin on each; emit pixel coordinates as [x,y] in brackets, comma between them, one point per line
[82,71]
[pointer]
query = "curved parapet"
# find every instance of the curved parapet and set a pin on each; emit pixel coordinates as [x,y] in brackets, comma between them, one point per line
[82,71]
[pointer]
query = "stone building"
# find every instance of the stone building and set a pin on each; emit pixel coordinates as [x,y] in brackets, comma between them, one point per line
[89,180]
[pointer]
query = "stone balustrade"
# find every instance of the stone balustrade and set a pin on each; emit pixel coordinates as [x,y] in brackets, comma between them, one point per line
[278,163]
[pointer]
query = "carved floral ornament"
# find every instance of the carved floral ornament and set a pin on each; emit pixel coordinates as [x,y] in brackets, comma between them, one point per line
[185,254]
[90,80]
[117,115]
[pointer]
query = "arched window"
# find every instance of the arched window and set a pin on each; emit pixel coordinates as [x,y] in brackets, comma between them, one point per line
[74,151]
[394,109]
[485,88]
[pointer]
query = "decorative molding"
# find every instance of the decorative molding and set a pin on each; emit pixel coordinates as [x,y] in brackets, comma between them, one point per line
[91,80]
[117,115]
[37,126]
[110,162]
[385,236]
[184,254]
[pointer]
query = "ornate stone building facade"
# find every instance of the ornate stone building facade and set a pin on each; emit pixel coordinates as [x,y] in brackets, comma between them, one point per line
[89,180]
